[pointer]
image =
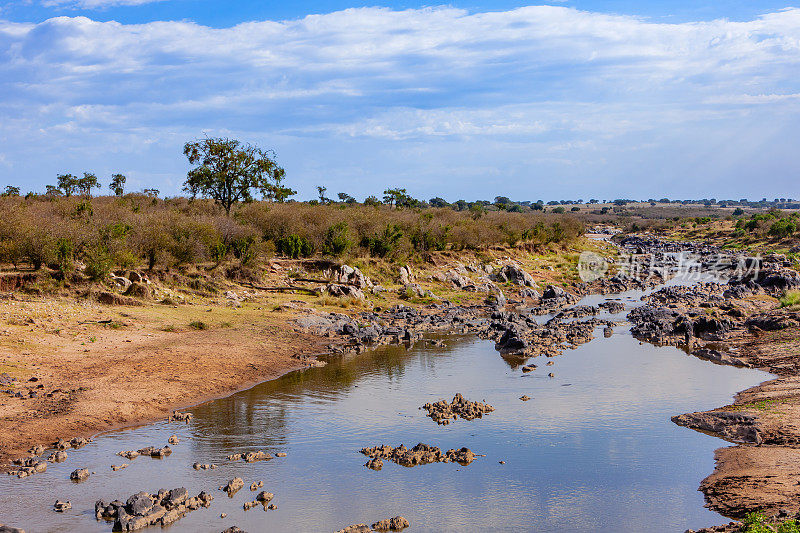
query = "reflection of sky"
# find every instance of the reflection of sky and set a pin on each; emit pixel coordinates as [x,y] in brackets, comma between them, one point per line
[594,450]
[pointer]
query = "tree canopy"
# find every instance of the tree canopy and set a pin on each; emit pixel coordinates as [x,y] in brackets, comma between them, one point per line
[229,172]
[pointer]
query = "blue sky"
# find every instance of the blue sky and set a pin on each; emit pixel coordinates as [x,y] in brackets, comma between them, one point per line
[574,99]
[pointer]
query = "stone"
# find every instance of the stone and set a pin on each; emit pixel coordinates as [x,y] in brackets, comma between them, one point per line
[57,457]
[391,524]
[256,485]
[60,506]
[233,486]
[524,398]
[174,439]
[79,474]
[264,497]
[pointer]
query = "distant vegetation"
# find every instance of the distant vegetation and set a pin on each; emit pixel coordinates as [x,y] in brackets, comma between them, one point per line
[221,220]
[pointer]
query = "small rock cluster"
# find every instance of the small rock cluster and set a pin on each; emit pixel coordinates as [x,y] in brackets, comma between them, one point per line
[421,454]
[144,509]
[442,412]
[389,524]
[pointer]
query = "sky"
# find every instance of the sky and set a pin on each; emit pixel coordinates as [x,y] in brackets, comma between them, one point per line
[472,100]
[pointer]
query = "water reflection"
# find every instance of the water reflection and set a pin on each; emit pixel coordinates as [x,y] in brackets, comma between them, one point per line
[598,455]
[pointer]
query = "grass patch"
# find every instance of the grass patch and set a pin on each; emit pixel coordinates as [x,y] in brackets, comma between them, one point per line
[198,325]
[756,522]
[790,299]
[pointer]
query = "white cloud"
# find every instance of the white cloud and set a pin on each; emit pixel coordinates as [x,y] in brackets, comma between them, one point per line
[531,82]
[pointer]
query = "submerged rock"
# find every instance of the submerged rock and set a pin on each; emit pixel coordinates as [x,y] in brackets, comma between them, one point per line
[233,486]
[80,474]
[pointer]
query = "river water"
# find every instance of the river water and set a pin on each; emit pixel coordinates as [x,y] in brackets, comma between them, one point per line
[593,450]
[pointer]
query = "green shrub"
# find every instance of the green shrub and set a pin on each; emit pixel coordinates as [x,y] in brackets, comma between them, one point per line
[337,239]
[64,252]
[198,325]
[383,243]
[98,262]
[294,246]
[782,228]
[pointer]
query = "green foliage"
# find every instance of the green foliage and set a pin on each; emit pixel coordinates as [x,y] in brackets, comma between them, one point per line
[560,210]
[117,184]
[783,228]
[337,239]
[399,198]
[244,249]
[67,183]
[198,325]
[372,201]
[218,251]
[383,243]
[428,239]
[11,191]
[84,210]
[294,246]
[98,262]
[229,171]
[756,522]
[64,253]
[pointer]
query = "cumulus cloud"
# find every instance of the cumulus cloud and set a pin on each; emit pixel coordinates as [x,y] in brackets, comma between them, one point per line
[574,94]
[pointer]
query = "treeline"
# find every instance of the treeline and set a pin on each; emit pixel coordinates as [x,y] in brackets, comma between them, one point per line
[135,230]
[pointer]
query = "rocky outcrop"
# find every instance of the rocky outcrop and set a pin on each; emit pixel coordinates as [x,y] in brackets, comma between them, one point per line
[421,454]
[442,412]
[144,509]
[514,274]
[347,275]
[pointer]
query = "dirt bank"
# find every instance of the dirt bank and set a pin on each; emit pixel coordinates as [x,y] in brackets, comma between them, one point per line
[74,368]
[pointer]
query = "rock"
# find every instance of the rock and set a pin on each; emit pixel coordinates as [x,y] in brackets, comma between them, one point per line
[60,506]
[78,442]
[419,455]
[441,412]
[374,464]
[515,275]
[9,529]
[174,439]
[79,474]
[280,454]
[554,292]
[345,291]
[530,294]
[264,497]
[39,449]
[57,457]
[234,529]
[138,290]
[140,503]
[406,276]
[180,417]
[200,466]
[120,282]
[256,485]
[119,467]
[529,368]
[391,524]
[130,454]
[346,274]
[356,528]
[524,398]
[251,457]
[233,486]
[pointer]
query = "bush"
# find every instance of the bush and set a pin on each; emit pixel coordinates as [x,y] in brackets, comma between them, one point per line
[383,243]
[337,240]
[98,263]
[294,246]
[782,228]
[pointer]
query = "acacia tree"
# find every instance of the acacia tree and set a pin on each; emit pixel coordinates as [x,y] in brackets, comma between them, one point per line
[67,183]
[229,171]
[87,183]
[117,184]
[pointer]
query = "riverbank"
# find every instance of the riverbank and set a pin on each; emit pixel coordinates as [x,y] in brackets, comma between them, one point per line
[79,368]
[77,359]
